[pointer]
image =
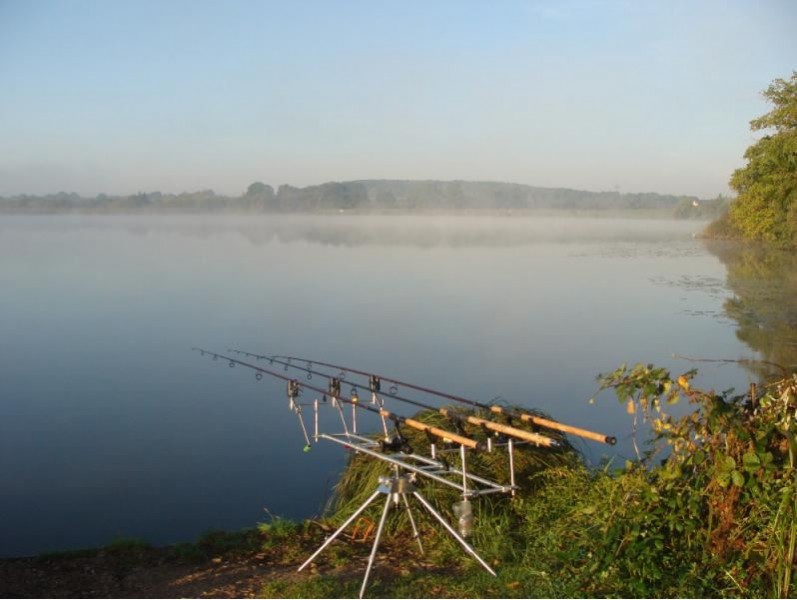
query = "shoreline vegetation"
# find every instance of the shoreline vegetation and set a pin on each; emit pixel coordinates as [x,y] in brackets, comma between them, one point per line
[765,209]
[708,508]
[375,197]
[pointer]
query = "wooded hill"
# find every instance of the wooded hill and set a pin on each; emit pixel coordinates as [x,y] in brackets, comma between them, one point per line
[366,195]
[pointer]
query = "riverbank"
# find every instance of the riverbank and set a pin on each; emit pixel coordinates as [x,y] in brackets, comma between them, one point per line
[250,564]
[716,517]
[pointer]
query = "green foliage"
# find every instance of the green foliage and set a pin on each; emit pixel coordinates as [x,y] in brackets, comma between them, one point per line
[766,207]
[689,208]
[274,533]
[722,502]
[722,228]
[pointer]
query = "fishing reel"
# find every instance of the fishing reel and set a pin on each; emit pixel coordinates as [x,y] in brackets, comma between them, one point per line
[293,389]
[396,444]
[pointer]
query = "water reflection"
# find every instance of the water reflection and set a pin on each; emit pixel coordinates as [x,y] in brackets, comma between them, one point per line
[764,302]
[458,231]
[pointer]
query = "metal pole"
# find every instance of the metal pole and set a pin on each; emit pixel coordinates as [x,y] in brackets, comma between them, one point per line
[315,419]
[393,461]
[381,403]
[337,405]
[301,423]
[379,529]
[464,473]
[451,530]
[415,533]
[511,447]
[340,529]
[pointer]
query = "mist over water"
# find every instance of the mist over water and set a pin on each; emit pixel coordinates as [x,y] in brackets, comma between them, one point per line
[110,426]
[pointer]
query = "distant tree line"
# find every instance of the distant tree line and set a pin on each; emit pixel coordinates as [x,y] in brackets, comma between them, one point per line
[366,195]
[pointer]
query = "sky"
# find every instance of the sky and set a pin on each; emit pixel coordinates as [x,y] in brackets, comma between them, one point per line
[128,96]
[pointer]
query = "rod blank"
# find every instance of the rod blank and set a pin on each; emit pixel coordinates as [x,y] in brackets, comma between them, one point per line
[526,417]
[521,434]
[435,431]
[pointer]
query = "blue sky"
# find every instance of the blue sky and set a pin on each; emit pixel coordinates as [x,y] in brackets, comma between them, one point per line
[120,97]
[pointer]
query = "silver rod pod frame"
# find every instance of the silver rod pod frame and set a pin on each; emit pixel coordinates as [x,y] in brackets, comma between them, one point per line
[396,489]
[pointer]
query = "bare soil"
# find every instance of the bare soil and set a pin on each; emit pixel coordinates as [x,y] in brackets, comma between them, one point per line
[159,573]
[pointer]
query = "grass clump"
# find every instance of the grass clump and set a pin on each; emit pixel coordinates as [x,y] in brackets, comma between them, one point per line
[361,476]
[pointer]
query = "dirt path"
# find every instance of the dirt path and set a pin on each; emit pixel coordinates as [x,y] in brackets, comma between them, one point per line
[157,573]
[103,577]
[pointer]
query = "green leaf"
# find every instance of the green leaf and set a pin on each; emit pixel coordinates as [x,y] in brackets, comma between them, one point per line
[751,461]
[671,472]
[737,478]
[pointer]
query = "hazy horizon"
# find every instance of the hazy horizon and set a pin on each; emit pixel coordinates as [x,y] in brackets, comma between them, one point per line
[243,188]
[118,98]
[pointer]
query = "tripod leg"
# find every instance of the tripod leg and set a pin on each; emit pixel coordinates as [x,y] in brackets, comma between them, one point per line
[415,533]
[376,543]
[456,536]
[340,529]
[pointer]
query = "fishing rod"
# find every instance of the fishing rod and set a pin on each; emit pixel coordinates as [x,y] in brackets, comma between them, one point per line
[295,384]
[374,383]
[494,408]
[407,466]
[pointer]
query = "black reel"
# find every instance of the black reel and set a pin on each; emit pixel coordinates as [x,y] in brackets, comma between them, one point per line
[293,389]
[396,444]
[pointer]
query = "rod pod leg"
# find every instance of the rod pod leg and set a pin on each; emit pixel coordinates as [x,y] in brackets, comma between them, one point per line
[468,548]
[388,502]
[415,532]
[340,529]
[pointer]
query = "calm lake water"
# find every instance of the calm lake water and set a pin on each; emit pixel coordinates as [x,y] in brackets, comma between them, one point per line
[111,426]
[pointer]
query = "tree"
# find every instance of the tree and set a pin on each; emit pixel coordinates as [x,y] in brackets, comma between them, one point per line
[259,197]
[257,188]
[766,205]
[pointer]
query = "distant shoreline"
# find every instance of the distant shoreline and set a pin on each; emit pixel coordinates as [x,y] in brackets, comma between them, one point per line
[470,212]
[383,197]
